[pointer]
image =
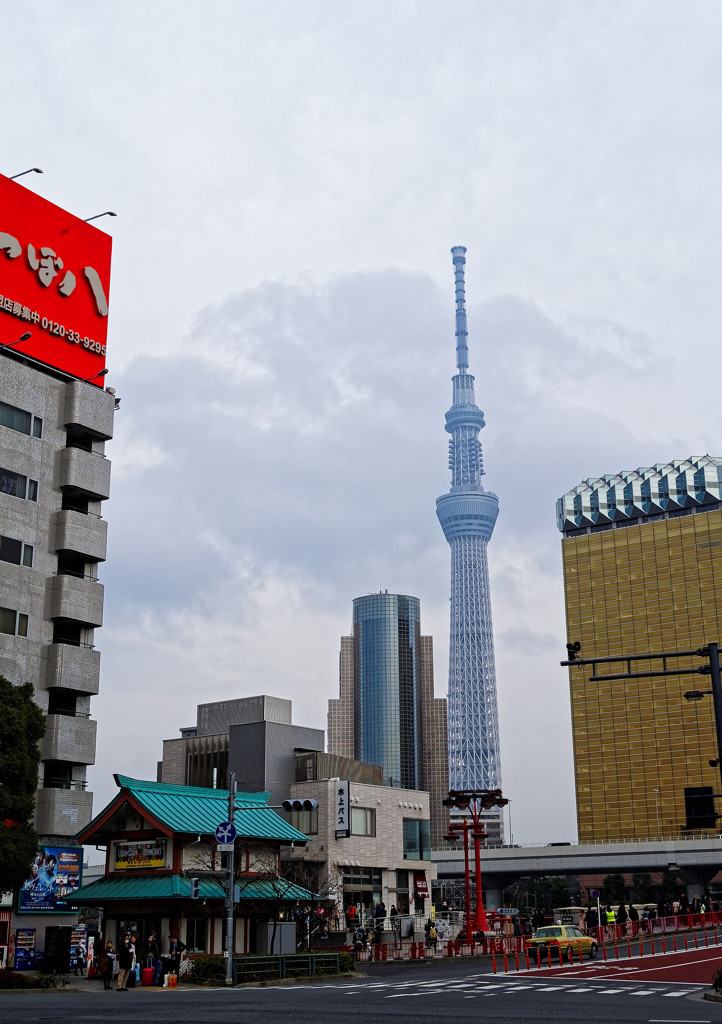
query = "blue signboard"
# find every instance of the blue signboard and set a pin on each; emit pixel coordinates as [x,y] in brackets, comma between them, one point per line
[225,832]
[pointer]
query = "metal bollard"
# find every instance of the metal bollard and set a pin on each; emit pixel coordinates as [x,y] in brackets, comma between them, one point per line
[493,960]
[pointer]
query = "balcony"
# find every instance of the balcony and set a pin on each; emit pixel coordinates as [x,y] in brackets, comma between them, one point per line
[71,668]
[78,599]
[86,472]
[62,812]
[89,407]
[69,738]
[84,534]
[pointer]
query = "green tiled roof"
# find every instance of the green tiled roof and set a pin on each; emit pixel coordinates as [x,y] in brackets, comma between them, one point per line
[193,809]
[165,887]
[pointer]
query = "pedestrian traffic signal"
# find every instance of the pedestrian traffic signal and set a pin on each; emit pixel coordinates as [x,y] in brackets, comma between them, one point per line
[195,889]
[300,805]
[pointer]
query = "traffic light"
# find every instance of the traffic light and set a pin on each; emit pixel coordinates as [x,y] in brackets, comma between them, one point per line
[300,805]
[195,889]
[573,650]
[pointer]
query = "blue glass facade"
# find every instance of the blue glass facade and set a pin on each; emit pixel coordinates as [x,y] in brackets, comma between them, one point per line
[387,695]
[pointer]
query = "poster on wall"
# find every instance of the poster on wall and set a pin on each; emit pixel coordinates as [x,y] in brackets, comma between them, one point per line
[25,949]
[56,873]
[144,854]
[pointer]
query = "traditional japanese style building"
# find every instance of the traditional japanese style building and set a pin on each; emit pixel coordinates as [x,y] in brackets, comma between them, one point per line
[160,847]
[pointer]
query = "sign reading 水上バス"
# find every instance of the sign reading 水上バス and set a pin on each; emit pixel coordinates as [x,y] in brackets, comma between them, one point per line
[54,282]
[142,854]
[343,809]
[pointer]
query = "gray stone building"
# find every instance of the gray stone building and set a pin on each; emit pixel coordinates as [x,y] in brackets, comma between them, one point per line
[54,477]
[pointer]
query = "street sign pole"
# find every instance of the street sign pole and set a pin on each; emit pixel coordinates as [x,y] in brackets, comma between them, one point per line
[229,892]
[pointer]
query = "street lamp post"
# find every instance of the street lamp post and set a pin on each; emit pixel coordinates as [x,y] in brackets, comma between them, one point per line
[472,802]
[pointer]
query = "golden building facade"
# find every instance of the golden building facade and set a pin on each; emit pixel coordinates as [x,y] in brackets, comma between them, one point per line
[642,574]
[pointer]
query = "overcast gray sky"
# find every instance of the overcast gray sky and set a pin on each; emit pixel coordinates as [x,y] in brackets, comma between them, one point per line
[289,178]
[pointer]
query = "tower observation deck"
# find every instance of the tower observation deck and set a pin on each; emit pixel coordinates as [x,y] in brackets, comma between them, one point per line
[467,515]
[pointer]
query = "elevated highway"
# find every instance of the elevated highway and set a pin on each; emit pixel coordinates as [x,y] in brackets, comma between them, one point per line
[695,860]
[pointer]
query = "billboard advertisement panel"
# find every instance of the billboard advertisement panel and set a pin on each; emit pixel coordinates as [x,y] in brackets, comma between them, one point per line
[56,874]
[143,854]
[54,282]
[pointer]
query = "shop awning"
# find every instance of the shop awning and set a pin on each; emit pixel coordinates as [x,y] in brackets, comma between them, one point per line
[178,887]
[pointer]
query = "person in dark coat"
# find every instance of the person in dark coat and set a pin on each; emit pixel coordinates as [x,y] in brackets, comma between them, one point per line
[106,965]
[622,918]
[175,948]
[125,962]
[634,918]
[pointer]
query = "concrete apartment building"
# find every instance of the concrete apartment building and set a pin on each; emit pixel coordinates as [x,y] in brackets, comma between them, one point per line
[55,418]
[54,477]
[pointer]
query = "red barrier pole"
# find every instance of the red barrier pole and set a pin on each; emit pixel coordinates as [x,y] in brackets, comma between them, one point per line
[694,936]
[616,949]
[705,938]
[651,942]
[664,943]
[629,947]
[604,951]
[714,930]
[526,951]
[641,944]
[674,942]
[506,962]
[516,958]
[561,956]
[493,960]
[685,939]
[549,955]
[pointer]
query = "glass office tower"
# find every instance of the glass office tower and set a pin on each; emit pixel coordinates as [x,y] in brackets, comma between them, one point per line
[387,697]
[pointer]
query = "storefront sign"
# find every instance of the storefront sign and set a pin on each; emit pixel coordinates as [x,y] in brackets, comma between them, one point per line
[343,809]
[420,884]
[56,874]
[144,854]
[54,282]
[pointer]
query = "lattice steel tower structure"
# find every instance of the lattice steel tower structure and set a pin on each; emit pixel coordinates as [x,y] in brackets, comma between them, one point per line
[467,515]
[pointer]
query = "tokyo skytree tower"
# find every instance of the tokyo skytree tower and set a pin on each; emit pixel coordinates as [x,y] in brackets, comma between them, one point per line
[467,515]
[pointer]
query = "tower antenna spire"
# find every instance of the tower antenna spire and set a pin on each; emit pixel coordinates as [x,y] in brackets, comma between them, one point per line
[462,351]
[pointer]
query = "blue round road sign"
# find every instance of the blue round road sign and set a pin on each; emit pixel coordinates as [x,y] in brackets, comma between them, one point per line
[226,832]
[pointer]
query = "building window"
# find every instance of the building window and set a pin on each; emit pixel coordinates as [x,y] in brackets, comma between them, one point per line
[13,623]
[196,934]
[15,551]
[18,419]
[306,821]
[417,839]
[363,821]
[18,485]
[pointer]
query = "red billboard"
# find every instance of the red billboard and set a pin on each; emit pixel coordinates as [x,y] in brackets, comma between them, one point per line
[54,282]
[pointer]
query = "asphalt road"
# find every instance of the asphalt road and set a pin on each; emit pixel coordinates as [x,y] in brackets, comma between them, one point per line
[451,991]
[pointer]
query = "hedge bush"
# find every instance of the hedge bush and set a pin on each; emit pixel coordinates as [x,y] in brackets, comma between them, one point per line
[11,979]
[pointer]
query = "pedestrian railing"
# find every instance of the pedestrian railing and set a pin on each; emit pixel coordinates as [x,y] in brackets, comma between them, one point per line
[292,965]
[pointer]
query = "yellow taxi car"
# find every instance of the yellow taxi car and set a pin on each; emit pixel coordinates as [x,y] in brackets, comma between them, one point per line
[565,937]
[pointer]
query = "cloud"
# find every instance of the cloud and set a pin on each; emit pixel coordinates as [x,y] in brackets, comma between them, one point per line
[287,460]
